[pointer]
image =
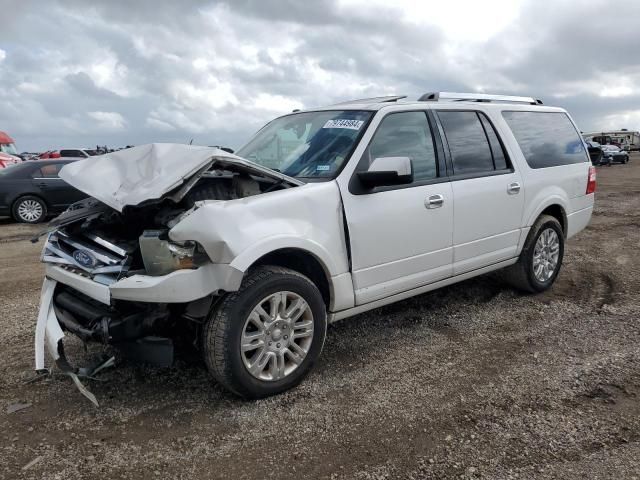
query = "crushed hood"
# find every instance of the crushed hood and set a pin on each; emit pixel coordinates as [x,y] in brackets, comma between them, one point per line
[149,172]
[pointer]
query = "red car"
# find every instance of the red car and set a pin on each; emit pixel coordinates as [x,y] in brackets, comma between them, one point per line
[49,154]
[8,152]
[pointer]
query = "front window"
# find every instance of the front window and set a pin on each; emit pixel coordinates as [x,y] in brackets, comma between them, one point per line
[405,134]
[9,148]
[309,144]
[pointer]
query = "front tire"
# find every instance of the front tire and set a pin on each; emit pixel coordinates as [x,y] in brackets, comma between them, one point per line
[265,338]
[29,209]
[541,257]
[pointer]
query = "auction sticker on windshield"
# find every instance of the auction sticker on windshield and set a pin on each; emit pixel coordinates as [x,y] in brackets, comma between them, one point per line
[344,123]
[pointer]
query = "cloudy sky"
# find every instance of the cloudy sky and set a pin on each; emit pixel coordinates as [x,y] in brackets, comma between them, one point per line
[78,73]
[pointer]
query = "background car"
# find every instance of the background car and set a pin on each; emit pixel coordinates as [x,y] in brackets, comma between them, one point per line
[78,153]
[613,153]
[30,191]
[49,154]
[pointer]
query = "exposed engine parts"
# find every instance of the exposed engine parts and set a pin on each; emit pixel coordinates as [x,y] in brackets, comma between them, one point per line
[94,240]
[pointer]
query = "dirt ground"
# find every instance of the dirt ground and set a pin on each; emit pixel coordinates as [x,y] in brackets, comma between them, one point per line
[471,381]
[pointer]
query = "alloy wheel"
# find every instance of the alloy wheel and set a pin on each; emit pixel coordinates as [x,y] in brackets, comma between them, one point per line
[30,210]
[277,336]
[546,254]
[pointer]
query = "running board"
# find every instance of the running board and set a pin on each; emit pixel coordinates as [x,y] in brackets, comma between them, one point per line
[334,317]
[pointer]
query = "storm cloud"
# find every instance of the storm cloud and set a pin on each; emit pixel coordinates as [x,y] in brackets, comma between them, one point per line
[74,73]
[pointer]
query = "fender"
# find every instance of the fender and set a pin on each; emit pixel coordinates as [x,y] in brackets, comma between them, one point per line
[267,245]
[342,294]
[309,218]
[543,200]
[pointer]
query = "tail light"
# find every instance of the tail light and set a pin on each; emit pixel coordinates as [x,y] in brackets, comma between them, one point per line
[591,181]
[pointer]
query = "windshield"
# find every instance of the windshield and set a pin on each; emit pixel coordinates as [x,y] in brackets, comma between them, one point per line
[9,148]
[310,144]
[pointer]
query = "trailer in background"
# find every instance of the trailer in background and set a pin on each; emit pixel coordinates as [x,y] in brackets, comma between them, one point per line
[623,138]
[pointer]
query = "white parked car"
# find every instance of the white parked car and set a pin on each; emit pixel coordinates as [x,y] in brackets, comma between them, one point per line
[78,153]
[323,215]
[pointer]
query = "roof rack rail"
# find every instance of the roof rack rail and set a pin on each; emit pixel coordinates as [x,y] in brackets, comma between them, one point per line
[388,98]
[476,97]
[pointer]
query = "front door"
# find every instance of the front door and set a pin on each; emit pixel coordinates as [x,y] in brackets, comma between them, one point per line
[401,236]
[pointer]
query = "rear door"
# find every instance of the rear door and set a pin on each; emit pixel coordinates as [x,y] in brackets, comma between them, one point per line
[488,193]
[556,163]
[400,236]
[57,193]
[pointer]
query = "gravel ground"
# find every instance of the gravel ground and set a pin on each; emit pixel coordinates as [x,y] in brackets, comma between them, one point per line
[471,381]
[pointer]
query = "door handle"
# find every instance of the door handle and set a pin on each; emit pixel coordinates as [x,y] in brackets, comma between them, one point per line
[42,185]
[513,188]
[434,201]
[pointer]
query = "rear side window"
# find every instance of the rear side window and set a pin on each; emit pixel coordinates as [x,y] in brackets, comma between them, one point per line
[499,157]
[470,151]
[547,139]
[47,171]
[473,143]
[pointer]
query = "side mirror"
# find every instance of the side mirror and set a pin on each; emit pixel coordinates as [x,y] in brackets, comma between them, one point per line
[387,171]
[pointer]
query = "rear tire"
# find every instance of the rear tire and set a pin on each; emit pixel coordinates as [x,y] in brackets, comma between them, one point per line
[266,337]
[540,259]
[29,209]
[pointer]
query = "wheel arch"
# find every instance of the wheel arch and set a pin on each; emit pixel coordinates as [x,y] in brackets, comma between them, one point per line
[304,262]
[555,210]
[554,206]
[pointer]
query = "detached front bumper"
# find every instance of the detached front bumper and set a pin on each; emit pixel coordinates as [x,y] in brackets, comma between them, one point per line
[48,330]
[181,286]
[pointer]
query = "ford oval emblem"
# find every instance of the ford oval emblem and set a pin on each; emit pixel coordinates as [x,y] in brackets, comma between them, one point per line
[84,258]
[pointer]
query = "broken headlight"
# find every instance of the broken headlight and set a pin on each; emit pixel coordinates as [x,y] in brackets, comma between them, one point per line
[162,256]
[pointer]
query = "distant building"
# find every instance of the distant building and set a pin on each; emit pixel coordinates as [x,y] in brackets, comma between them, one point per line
[626,139]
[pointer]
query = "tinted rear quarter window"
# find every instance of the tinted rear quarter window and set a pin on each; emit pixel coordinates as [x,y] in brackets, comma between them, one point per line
[547,139]
[48,171]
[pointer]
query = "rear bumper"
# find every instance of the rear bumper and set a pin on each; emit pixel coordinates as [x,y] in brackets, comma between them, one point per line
[578,220]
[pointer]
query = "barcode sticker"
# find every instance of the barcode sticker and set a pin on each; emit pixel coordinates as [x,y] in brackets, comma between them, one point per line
[344,123]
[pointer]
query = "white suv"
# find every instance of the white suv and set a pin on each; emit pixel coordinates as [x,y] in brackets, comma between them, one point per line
[324,214]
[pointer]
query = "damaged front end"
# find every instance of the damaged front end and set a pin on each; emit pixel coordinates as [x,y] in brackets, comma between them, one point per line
[113,274]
